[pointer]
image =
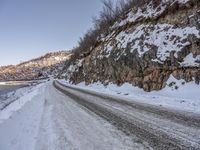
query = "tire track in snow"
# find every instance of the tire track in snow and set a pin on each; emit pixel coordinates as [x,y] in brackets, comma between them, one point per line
[157,139]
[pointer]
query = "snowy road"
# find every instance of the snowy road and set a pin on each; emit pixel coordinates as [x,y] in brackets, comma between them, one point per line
[57,117]
[66,125]
[46,119]
[160,128]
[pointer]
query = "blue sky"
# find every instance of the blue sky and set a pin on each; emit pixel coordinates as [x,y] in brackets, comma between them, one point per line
[30,28]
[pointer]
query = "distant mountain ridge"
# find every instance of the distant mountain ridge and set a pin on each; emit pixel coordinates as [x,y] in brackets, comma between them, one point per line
[42,67]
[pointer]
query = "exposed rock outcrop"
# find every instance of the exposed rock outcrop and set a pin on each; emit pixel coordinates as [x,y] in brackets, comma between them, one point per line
[145,47]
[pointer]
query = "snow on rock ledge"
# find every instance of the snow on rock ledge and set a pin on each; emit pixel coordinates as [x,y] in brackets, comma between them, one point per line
[149,11]
[165,37]
[189,60]
[146,46]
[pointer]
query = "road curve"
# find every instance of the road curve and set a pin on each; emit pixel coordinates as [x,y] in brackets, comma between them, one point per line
[161,128]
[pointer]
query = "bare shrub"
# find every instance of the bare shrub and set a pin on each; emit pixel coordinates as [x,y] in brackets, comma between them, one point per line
[111,12]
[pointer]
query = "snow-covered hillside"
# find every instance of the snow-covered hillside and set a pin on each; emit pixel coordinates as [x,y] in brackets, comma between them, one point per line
[167,38]
[43,67]
[145,47]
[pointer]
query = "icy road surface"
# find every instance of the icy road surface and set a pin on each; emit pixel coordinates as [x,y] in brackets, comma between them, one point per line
[49,120]
[57,117]
[159,127]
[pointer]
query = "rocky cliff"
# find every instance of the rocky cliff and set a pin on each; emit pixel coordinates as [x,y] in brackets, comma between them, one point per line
[43,67]
[144,47]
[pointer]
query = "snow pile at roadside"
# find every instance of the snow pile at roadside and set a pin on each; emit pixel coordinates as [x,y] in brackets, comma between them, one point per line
[8,98]
[177,95]
[16,100]
[20,121]
[2,83]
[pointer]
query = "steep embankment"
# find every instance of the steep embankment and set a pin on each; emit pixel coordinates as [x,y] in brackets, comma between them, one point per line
[48,65]
[145,47]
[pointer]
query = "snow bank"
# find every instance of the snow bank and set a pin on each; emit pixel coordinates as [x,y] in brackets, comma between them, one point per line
[177,95]
[2,83]
[27,93]
[7,98]
[20,131]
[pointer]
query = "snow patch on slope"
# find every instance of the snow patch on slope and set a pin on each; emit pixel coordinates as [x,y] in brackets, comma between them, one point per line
[149,12]
[190,60]
[165,37]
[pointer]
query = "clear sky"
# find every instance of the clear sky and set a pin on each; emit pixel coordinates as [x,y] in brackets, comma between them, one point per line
[30,28]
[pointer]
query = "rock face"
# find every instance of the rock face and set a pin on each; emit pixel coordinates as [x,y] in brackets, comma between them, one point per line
[43,67]
[145,47]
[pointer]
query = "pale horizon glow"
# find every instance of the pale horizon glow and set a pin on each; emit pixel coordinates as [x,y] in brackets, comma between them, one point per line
[33,28]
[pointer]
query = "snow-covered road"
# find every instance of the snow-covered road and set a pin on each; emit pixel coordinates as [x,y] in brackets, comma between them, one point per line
[66,125]
[49,120]
[57,117]
[161,128]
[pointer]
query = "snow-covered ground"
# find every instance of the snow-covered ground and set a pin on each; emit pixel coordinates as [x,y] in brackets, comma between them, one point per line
[14,101]
[19,122]
[177,95]
[46,119]
[12,95]
[65,125]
